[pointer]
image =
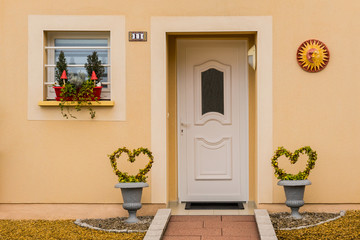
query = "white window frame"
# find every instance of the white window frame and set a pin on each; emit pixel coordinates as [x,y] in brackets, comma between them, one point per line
[50,65]
[38,26]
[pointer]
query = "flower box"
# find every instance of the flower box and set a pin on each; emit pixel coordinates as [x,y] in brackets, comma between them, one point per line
[96,91]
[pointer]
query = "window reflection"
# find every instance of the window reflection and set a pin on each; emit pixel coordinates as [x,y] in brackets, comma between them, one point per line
[79,56]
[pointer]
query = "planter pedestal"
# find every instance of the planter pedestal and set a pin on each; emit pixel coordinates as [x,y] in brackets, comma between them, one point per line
[131,193]
[294,192]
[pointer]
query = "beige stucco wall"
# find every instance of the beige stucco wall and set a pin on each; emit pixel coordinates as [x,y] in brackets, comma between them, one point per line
[66,161]
[321,109]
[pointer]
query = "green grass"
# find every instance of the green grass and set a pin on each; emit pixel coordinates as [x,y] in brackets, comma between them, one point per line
[59,229]
[344,228]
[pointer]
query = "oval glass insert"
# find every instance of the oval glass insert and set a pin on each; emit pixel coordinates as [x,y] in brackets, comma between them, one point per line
[212,91]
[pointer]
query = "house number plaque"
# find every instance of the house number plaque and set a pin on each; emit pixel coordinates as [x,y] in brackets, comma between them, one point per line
[137,36]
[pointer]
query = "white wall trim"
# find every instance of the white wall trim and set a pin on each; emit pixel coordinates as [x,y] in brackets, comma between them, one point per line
[38,24]
[162,25]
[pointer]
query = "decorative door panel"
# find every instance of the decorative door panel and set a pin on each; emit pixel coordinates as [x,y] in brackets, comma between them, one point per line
[212,159]
[212,93]
[213,130]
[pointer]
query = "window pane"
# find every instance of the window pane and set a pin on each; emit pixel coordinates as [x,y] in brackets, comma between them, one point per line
[79,56]
[81,42]
[212,91]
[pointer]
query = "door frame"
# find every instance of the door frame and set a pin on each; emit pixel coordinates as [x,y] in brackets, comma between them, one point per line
[160,27]
[244,163]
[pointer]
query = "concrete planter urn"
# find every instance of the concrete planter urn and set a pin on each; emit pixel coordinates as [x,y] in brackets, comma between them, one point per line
[131,193]
[294,184]
[294,192]
[131,185]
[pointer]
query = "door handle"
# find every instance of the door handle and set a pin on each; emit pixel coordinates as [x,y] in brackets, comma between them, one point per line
[184,124]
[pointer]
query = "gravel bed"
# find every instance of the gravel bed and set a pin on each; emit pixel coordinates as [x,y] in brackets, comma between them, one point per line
[117,224]
[284,221]
[57,230]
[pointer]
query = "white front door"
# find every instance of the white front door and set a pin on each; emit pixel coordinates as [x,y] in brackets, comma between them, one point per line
[212,120]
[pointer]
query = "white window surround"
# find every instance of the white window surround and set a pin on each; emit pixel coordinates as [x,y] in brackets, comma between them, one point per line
[160,26]
[38,25]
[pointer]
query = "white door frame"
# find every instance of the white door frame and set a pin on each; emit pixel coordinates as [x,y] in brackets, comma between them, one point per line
[243,109]
[262,25]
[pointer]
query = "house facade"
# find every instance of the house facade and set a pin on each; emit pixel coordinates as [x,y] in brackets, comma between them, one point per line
[211,87]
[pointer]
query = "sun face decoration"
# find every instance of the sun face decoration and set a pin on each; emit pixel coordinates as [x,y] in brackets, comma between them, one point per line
[313,55]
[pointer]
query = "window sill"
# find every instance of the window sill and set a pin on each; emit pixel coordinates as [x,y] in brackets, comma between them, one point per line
[93,103]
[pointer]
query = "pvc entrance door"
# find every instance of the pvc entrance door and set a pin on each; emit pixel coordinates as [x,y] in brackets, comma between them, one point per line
[212,120]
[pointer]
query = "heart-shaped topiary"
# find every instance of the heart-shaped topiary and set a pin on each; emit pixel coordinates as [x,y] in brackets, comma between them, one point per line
[293,157]
[123,176]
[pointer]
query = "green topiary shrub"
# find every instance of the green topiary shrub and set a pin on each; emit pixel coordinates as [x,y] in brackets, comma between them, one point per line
[124,176]
[293,157]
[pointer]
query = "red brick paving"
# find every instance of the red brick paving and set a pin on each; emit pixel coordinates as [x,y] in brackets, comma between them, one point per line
[227,238]
[187,218]
[222,224]
[173,230]
[181,238]
[188,225]
[237,218]
[211,228]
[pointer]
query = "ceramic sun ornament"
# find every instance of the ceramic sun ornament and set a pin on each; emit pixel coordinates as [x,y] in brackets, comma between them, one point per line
[313,55]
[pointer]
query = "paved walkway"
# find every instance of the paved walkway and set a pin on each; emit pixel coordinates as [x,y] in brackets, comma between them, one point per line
[211,228]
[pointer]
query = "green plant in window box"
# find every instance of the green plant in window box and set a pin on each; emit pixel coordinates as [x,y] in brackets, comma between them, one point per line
[94,64]
[61,66]
[77,89]
[80,92]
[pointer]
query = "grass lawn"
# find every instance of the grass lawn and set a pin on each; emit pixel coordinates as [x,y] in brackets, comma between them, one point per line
[59,229]
[344,228]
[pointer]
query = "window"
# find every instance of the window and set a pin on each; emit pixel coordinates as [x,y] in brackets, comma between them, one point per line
[76,47]
[43,28]
[212,91]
